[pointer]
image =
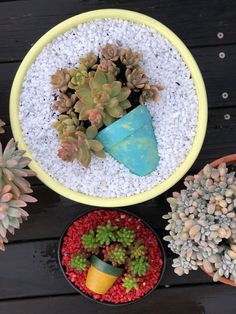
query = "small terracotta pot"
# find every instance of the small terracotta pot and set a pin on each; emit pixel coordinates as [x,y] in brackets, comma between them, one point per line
[229,160]
[101,276]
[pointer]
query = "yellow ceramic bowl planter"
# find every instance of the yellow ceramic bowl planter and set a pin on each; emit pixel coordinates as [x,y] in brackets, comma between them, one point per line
[199,88]
[101,276]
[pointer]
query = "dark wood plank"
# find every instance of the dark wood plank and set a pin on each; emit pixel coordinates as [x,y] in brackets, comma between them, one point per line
[31,269]
[208,299]
[23,22]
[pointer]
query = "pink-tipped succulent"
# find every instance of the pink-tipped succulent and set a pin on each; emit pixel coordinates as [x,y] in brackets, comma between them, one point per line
[111,52]
[12,164]
[11,212]
[60,80]
[81,147]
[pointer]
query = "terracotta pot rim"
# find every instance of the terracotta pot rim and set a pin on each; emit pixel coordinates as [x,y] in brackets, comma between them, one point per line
[228,159]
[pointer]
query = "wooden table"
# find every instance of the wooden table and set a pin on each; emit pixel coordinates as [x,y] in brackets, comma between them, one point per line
[30,278]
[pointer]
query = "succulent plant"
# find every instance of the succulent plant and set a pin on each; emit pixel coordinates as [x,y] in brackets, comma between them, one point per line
[130,282]
[11,212]
[137,249]
[68,125]
[12,172]
[81,147]
[106,234]
[130,59]
[89,242]
[125,236]
[1,126]
[79,262]
[136,78]
[95,94]
[107,66]
[60,80]
[64,103]
[111,52]
[115,253]
[78,78]
[88,62]
[139,266]
[202,223]
[105,94]
[150,93]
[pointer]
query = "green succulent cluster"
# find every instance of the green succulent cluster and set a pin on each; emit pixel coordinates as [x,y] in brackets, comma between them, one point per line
[93,94]
[137,250]
[89,242]
[130,282]
[125,236]
[115,253]
[79,262]
[119,247]
[139,266]
[106,234]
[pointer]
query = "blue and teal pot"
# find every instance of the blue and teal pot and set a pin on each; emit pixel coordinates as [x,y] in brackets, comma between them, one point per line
[131,141]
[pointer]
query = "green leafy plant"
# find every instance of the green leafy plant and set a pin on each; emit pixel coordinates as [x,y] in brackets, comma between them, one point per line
[125,236]
[106,234]
[89,242]
[130,282]
[137,249]
[115,253]
[79,262]
[139,266]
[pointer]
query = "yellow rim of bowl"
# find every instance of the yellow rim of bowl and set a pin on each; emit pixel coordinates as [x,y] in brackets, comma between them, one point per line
[196,76]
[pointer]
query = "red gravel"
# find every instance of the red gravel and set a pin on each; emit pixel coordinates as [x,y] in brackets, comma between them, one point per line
[72,244]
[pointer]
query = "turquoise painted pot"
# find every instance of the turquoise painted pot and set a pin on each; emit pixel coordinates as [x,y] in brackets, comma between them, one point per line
[131,141]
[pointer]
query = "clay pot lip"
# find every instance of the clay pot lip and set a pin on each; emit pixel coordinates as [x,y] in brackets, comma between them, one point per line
[229,160]
[105,267]
[59,257]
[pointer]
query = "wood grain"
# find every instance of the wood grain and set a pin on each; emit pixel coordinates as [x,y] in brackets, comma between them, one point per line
[24,22]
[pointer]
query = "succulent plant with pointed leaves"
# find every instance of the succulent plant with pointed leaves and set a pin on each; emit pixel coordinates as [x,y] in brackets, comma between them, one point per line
[60,80]
[90,242]
[64,103]
[12,172]
[1,126]
[129,283]
[11,211]
[106,234]
[115,253]
[139,266]
[125,236]
[79,262]
[136,79]
[130,59]
[81,147]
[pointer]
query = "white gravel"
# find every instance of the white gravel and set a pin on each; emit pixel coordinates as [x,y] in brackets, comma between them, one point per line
[174,117]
